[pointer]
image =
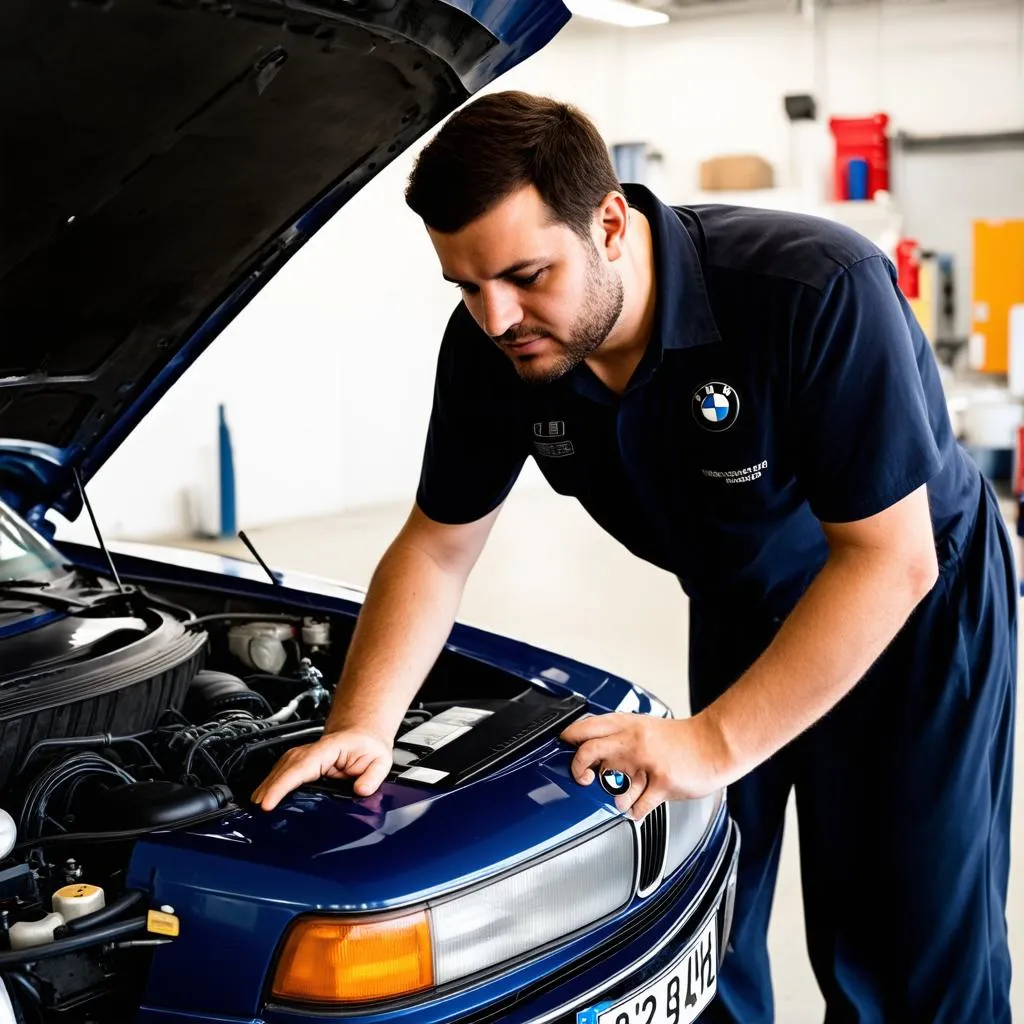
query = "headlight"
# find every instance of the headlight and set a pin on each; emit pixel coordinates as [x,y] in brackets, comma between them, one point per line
[688,820]
[553,898]
[333,959]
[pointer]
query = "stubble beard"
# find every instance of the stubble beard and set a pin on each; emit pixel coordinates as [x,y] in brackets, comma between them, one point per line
[602,307]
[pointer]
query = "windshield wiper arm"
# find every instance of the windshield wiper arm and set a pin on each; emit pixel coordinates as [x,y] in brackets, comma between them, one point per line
[34,590]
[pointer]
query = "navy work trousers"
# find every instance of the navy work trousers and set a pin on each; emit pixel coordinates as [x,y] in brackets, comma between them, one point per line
[903,802]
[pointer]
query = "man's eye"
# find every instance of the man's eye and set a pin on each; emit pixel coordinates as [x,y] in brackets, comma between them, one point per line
[525,282]
[467,289]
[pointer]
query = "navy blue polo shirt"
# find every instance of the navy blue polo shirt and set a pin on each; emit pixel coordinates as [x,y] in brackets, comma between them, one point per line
[786,383]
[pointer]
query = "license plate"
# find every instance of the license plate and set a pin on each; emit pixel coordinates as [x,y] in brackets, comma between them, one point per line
[677,996]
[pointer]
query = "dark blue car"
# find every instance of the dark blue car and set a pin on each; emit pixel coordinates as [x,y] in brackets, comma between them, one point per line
[162,159]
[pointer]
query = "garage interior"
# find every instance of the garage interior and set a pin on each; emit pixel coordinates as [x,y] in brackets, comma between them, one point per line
[901,118]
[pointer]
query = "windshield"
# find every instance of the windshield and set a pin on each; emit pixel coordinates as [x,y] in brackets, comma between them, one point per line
[24,555]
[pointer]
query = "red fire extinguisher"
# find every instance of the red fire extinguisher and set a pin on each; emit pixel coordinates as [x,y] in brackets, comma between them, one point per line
[908,267]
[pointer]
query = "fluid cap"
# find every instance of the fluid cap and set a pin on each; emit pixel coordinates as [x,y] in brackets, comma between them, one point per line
[77,900]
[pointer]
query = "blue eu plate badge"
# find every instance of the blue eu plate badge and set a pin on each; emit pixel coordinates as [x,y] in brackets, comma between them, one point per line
[677,996]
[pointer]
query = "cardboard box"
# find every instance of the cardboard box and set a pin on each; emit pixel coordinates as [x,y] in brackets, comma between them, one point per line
[738,172]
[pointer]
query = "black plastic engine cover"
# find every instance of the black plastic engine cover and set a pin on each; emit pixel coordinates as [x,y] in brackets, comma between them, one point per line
[517,726]
[119,676]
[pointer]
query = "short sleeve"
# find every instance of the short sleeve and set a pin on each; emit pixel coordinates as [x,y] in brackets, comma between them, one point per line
[474,450]
[860,416]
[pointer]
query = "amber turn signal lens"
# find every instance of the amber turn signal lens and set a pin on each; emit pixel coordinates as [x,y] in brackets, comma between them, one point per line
[335,960]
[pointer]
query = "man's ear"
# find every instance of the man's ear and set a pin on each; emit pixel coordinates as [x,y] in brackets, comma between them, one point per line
[611,223]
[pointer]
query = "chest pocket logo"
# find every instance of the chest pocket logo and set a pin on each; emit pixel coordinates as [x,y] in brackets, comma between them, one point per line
[550,439]
[716,406]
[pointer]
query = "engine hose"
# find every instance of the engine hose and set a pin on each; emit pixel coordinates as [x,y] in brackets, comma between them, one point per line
[243,617]
[163,602]
[80,924]
[299,734]
[107,933]
[66,838]
[277,730]
[239,756]
[100,740]
[282,715]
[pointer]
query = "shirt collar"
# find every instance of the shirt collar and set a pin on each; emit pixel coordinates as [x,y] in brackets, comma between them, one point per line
[682,313]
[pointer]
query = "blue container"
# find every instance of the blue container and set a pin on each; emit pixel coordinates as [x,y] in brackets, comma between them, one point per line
[228,524]
[857,178]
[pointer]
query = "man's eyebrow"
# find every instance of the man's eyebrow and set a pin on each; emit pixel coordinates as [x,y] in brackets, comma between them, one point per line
[515,268]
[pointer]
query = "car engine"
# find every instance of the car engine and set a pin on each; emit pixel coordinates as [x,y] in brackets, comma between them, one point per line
[123,713]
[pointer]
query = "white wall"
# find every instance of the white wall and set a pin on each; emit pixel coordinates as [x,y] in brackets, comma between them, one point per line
[327,374]
[708,85]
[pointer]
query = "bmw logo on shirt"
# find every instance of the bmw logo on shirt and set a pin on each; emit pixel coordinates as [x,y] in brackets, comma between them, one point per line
[716,406]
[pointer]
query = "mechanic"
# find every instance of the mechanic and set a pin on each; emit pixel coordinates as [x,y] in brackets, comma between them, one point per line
[743,398]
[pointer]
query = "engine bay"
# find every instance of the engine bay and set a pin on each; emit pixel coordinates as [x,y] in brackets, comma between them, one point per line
[174,710]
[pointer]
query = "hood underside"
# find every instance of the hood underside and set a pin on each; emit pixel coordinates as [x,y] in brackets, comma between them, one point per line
[163,158]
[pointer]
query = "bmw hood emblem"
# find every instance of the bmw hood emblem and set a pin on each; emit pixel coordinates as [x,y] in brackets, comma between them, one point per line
[613,782]
[716,406]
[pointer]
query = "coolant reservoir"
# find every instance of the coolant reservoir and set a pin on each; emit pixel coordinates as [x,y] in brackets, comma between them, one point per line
[77,900]
[26,934]
[260,645]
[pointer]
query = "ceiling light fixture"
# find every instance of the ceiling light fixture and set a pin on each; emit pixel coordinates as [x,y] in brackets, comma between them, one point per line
[616,12]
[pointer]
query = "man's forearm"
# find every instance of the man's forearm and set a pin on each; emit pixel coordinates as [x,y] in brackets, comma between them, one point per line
[406,618]
[848,616]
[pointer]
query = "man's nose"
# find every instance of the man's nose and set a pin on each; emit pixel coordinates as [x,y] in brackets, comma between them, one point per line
[499,310]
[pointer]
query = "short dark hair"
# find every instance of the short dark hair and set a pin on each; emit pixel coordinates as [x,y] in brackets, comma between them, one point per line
[506,141]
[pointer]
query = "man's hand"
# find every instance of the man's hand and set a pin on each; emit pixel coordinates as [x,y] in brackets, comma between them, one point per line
[666,759]
[349,753]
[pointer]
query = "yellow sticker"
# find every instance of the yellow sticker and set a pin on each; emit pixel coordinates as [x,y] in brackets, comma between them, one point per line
[163,924]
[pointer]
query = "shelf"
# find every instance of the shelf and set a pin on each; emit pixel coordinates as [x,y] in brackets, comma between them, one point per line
[967,140]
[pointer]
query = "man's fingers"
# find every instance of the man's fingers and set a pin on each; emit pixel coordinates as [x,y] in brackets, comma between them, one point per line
[260,792]
[284,779]
[353,765]
[638,784]
[649,799]
[359,756]
[589,755]
[369,782]
[589,728]
[303,764]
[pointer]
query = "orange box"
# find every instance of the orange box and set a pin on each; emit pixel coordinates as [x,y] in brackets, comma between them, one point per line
[998,286]
[739,172]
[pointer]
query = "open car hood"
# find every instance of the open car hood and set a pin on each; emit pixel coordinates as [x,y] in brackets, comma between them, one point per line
[162,159]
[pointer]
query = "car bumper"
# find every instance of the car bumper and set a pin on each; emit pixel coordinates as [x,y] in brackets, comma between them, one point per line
[640,952]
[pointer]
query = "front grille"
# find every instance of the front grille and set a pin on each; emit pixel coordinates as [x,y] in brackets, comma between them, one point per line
[653,840]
